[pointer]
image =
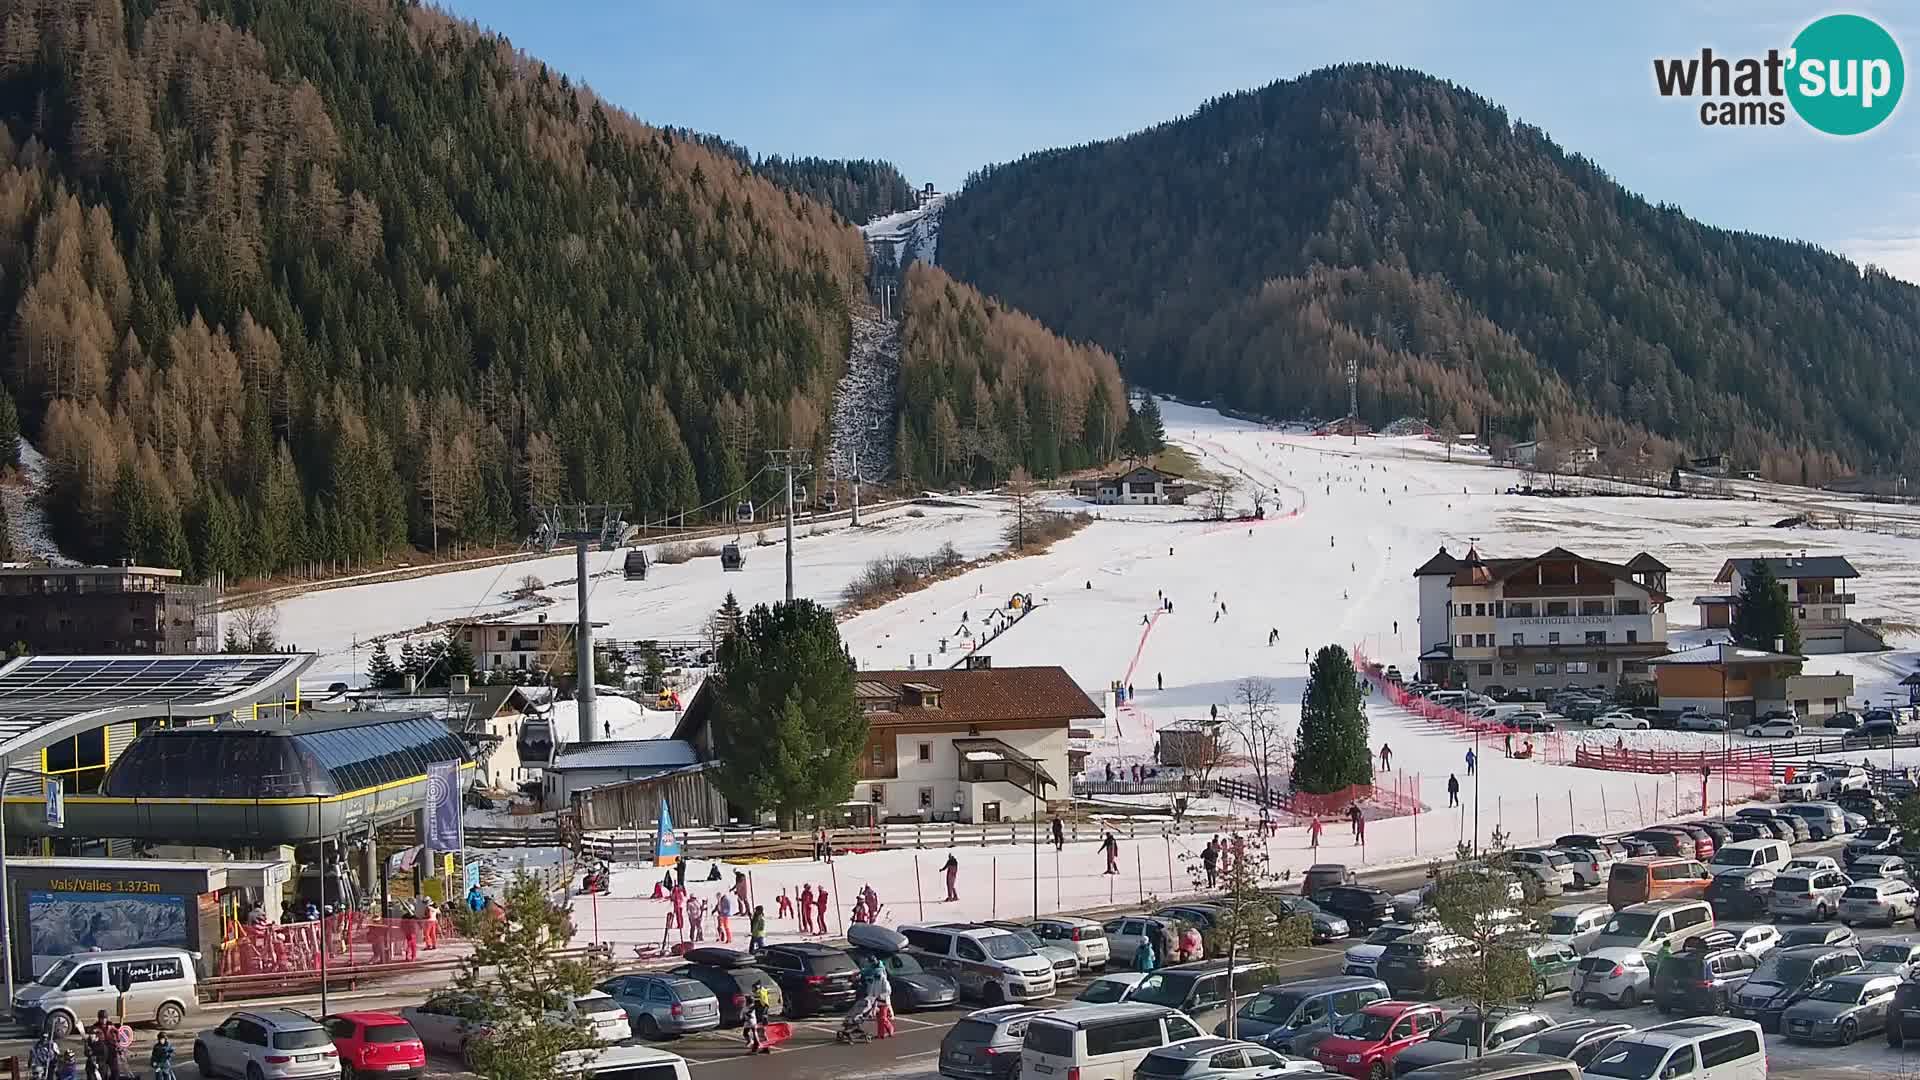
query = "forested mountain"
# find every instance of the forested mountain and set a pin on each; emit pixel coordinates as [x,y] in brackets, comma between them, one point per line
[859,189]
[310,279]
[1480,274]
[985,388]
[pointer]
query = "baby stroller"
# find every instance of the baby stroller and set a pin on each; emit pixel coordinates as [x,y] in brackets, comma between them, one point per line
[853,1027]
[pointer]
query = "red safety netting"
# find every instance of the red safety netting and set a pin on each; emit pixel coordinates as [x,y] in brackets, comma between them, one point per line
[1551,746]
[353,939]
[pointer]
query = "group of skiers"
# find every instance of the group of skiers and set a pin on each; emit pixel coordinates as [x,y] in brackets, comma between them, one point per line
[1163,945]
[106,1054]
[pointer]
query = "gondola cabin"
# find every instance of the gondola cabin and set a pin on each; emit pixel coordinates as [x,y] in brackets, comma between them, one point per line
[636,566]
[731,559]
[743,513]
[830,499]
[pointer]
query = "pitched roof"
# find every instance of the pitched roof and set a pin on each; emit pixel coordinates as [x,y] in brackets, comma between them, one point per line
[1477,571]
[1645,563]
[1793,566]
[1441,563]
[1717,654]
[624,754]
[971,696]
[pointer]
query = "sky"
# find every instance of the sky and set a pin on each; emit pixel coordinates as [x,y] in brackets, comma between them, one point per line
[941,89]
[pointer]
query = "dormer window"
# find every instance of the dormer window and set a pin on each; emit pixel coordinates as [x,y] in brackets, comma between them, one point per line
[920,696]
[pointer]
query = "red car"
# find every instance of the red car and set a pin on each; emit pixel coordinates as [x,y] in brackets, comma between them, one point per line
[1364,1044]
[376,1044]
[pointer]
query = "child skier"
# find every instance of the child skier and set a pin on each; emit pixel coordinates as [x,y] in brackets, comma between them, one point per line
[161,1059]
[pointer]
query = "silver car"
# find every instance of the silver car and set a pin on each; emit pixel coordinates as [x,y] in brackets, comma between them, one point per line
[1813,895]
[447,1022]
[1064,957]
[1615,975]
[278,1044]
[1221,1059]
[1876,900]
[1841,1009]
[662,1005]
[1889,957]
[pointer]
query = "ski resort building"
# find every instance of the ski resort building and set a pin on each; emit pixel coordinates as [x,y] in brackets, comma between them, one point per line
[107,610]
[1141,485]
[518,644]
[1740,683]
[1813,586]
[1552,620]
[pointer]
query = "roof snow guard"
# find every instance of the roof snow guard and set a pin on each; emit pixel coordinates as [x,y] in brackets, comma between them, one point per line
[45,698]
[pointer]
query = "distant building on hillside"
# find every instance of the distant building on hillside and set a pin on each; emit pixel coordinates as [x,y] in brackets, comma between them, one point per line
[1552,620]
[1741,684]
[1711,464]
[518,644]
[107,610]
[1141,485]
[1812,586]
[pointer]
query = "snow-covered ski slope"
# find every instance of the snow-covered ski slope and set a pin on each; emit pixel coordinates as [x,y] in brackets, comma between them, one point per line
[910,234]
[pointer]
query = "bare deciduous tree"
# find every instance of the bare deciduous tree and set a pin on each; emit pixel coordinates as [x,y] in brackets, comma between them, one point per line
[1196,749]
[252,628]
[1220,496]
[1448,433]
[1255,721]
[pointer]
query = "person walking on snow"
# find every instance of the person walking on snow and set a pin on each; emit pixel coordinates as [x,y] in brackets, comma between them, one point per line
[1159,681]
[678,916]
[1273,635]
[1453,790]
[740,891]
[1386,757]
[1472,760]
[1059,833]
[952,869]
[1359,824]
[722,913]
[1210,858]
[696,919]
[757,929]
[1111,848]
[1313,833]
[806,909]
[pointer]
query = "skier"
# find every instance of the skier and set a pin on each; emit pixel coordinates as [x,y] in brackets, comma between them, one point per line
[952,869]
[806,909]
[1209,858]
[1359,823]
[1111,847]
[1472,760]
[1453,790]
[1159,681]
[820,909]
[783,905]
[757,929]
[1396,627]
[740,890]
[1386,757]
[1059,833]
[1216,616]
[1313,833]
[678,916]
[722,914]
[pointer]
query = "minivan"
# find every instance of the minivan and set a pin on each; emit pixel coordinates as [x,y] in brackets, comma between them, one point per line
[1825,820]
[1813,895]
[1578,925]
[69,994]
[1656,877]
[1746,854]
[1504,1067]
[989,963]
[1647,927]
[1098,1042]
[1202,987]
[1705,1048]
[1277,1015]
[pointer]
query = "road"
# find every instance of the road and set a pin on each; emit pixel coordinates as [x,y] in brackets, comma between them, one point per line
[813,1054]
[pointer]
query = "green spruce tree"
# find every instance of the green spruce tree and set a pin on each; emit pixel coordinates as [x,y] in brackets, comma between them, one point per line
[1333,751]
[1153,430]
[789,735]
[1764,619]
[382,674]
[520,979]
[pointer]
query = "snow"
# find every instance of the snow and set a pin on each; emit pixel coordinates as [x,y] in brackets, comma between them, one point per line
[26,518]
[628,718]
[866,402]
[908,235]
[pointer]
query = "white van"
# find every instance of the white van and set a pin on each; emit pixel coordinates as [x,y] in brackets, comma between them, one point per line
[989,963]
[1767,854]
[1099,1042]
[625,1063]
[65,997]
[1705,1048]
[1650,925]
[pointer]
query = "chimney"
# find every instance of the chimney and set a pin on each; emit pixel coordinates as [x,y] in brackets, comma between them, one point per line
[543,616]
[457,684]
[412,684]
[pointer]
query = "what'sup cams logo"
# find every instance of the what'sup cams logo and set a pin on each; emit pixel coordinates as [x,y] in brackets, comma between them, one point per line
[1842,75]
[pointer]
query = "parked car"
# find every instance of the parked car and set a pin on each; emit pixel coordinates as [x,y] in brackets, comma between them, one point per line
[1650,926]
[1768,854]
[1549,865]
[1778,728]
[813,977]
[1758,939]
[1552,964]
[1785,826]
[1577,1040]
[1642,880]
[1087,938]
[1362,906]
[1825,820]
[1872,840]
[446,1023]
[1806,894]
[985,1045]
[1110,988]
[1815,934]
[1703,977]
[1868,804]
[1843,720]
[1668,842]
[1615,975]
[661,1005]
[1099,1042]
[1889,957]
[1326,925]
[913,987]
[1903,1020]
[1304,1009]
[1621,719]
[733,976]
[1741,894]
[1697,721]
[1364,1045]
[1362,958]
[256,1043]
[1125,934]
[1722,836]
[1578,925]
[1064,958]
[1611,845]
[1461,1035]
[1801,863]
[1220,1059]
[376,1043]
[1808,785]
[1786,976]
[989,964]
[1320,875]
[1704,842]
[1842,1009]
[1204,987]
[606,1022]
[1749,829]
[1877,899]
[1591,866]
[1408,964]
[1702,1048]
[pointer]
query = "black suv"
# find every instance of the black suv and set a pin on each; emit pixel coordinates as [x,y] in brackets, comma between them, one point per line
[1363,906]
[732,976]
[1741,893]
[1703,977]
[1903,1016]
[814,977]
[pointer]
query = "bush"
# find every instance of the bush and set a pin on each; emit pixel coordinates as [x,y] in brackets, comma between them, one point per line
[685,551]
[760,539]
[916,512]
[1043,528]
[891,575]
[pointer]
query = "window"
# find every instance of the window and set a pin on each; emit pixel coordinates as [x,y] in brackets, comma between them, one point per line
[1486,669]
[1627,607]
[1681,1063]
[990,813]
[1553,637]
[1602,666]
[970,950]
[499,636]
[1520,609]
[1483,640]
[1593,607]
[1559,607]
[1479,609]
[1596,637]
[1829,613]
[926,798]
[1633,637]
[1314,1011]
[1143,1034]
[1230,1059]
[1466,641]
[1509,669]
[1546,668]
[879,793]
[1466,610]
[926,751]
[1519,639]
[879,755]
[85,977]
[1733,1046]
[1576,667]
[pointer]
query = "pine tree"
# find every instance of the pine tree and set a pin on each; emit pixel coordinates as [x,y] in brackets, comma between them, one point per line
[790,734]
[522,980]
[411,661]
[1764,619]
[456,658]
[1333,751]
[9,430]
[382,674]
[1153,431]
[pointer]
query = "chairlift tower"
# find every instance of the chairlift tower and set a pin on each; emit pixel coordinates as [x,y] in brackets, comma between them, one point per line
[1353,398]
[790,461]
[583,525]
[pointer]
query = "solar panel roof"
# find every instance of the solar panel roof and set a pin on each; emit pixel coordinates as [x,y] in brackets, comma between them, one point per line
[40,690]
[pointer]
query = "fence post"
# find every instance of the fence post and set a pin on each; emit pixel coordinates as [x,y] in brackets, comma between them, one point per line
[919,896]
[1139,879]
[1537,830]
[993,908]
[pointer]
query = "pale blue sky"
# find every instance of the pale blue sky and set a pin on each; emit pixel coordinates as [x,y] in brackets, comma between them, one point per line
[943,88]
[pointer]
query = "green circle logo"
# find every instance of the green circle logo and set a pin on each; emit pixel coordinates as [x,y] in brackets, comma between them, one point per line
[1847,74]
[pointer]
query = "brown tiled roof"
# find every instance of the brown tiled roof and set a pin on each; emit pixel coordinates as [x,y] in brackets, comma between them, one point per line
[991,694]
[1486,571]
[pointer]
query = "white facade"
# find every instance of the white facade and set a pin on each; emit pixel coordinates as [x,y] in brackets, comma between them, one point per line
[1436,608]
[930,786]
